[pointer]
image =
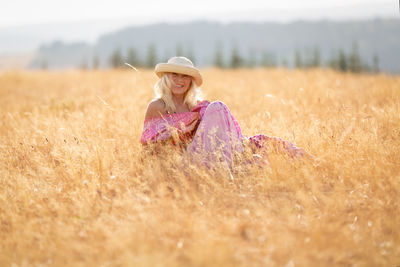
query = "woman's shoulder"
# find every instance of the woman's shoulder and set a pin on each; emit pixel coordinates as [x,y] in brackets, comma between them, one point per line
[155,108]
[157,103]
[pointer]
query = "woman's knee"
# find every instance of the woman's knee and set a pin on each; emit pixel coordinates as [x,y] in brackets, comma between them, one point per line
[215,106]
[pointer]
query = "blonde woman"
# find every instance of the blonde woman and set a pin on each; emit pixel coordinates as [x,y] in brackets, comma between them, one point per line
[207,131]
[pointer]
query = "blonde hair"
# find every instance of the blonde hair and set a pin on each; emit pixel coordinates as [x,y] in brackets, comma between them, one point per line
[163,91]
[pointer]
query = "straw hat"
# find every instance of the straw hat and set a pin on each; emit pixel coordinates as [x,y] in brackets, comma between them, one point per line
[179,65]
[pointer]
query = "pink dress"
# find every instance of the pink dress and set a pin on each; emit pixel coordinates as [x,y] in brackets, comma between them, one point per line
[212,134]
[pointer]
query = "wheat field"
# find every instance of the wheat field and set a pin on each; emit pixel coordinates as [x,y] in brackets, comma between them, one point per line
[78,189]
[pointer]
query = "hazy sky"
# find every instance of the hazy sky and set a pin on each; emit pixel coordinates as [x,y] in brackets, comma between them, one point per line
[23,12]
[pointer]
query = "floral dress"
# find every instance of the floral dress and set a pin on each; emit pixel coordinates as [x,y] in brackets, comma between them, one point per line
[211,134]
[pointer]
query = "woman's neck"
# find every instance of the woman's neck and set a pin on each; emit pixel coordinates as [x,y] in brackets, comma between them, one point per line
[179,102]
[178,99]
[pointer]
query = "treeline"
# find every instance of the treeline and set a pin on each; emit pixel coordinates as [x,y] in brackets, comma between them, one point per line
[340,60]
[233,58]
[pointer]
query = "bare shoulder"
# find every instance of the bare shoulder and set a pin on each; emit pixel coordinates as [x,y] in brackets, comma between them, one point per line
[155,109]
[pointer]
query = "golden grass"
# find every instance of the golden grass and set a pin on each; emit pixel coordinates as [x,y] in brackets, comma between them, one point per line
[76,189]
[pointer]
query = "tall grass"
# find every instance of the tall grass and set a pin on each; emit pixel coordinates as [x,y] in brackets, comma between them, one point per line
[77,188]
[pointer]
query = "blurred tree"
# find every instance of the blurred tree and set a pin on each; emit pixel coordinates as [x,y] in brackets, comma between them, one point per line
[355,64]
[316,58]
[96,62]
[116,60]
[365,67]
[218,57]
[84,64]
[284,63]
[44,64]
[236,60]
[342,61]
[132,58]
[151,59]
[298,62]
[333,62]
[252,62]
[268,60]
[375,63]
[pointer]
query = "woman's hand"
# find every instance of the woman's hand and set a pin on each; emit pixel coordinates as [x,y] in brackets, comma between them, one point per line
[192,126]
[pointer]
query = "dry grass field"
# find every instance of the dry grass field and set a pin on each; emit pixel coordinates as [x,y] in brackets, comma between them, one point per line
[77,189]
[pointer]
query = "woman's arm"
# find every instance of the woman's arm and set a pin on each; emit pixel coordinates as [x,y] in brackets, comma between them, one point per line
[155,109]
[169,125]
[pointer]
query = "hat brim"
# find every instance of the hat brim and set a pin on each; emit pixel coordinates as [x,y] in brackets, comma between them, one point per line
[162,68]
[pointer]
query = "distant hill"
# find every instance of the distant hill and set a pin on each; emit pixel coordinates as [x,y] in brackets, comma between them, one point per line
[379,38]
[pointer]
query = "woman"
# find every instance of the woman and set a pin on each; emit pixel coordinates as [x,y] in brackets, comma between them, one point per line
[208,132]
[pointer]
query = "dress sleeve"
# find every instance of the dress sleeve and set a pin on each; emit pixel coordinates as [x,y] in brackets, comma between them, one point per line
[201,108]
[161,128]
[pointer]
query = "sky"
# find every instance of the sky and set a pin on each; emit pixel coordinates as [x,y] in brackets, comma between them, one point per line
[28,12]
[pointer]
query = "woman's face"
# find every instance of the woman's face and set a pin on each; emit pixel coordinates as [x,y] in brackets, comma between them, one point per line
[181,83]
